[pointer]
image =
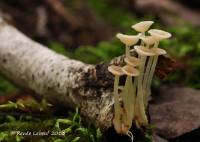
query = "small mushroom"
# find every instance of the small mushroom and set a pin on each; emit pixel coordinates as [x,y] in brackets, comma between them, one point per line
[157,35]
[132,61]
[117,72]
[148,40]
[143,26]
[158,51]
[137,86]
[128,96]
[128,40]
[151,65]
[143,53]
[130,71]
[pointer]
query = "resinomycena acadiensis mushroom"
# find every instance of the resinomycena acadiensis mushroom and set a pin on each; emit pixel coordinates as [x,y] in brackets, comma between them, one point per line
[158,35]
[131,103]
[140,116]
[128,40]
[117,72]
[128,96]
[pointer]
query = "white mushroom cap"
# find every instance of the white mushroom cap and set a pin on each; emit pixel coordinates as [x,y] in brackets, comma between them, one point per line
[128,40]
[132,61]
[159,34]
[158,51]
[141,50]
[130,71]
[115,70]
[142,26]
[149,40]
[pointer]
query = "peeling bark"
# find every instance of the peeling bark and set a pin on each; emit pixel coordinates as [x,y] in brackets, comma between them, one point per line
[57,78]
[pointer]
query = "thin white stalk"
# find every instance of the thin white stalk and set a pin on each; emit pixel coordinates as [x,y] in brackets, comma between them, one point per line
[145,77]
[127,51]
[142,34]
[117,107]
[127,95]
[134,87]
[145,80]
[151,72]
[153,67]
[142,118]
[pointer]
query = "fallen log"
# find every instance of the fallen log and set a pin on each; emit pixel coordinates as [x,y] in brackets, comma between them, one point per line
[57,78]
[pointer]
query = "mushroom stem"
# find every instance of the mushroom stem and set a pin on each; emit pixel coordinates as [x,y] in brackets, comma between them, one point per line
[142,34]
[127,51]
[145,77]
[127,100]
[151,69]
[142,118]
[141,70]
[133,98]
[116,82]
[128,97]
[145,80]
[134,88]
[117,108]
[134,85]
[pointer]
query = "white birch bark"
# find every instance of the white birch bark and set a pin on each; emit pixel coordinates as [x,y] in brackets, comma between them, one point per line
[55,77]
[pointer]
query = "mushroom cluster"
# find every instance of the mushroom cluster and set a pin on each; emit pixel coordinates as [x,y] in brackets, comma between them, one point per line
[131,99]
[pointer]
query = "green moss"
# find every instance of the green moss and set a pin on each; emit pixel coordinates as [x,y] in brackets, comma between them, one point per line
[69,129]
[115,14]
[104,51]
[185,47]
[59,48]
[6,87]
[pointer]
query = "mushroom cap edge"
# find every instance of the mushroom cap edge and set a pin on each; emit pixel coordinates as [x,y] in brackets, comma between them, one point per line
[130,71]
[115,70]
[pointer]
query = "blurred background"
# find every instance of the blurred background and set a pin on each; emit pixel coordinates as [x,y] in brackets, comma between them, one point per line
[85,30]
